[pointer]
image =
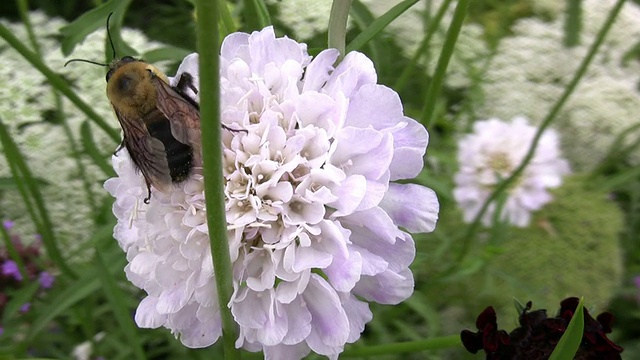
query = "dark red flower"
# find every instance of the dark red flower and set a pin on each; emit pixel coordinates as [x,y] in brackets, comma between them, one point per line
[489,338]
[538,335]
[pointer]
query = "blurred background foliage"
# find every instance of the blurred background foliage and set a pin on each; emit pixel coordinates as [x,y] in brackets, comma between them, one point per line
[585,244]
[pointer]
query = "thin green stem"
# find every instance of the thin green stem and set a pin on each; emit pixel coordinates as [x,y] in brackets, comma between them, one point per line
[404,77]
[444,342]
[338,25]
[57,82]
[209,63]
[502,186]
[443,61]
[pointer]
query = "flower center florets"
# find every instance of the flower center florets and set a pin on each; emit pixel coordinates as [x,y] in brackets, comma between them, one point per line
[270,170]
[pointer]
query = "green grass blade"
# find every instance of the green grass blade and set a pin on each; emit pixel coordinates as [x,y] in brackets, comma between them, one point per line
[120,310]
[379,24]
[76,31]
[40,215]
[573,23]
[570,340]
[90,147]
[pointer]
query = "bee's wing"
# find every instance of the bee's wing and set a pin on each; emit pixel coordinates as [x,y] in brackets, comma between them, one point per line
[183,115]
[147,152]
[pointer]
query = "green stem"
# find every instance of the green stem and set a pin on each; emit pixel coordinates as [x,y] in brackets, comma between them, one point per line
[209,63]
[582,69]
[57,82]
[443,61]
[338,25]
[444,342]
[424,46]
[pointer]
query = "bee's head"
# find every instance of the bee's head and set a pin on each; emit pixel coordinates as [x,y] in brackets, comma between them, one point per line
[119,63]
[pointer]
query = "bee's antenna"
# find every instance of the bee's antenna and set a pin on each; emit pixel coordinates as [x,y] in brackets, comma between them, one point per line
[87,61]
[109,35]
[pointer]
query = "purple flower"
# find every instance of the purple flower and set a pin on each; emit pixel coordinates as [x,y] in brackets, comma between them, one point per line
[10,268]
[25,307]
[8,224]
[46,280]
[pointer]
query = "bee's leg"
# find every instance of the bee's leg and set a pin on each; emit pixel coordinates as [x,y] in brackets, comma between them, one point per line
[146,200]
[119,148]
[186,82]
[234,130]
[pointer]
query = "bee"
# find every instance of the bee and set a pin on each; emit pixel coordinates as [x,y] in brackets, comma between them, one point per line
[160,123]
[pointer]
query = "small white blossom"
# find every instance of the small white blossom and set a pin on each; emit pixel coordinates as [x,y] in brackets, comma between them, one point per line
[490,154]
[317,224]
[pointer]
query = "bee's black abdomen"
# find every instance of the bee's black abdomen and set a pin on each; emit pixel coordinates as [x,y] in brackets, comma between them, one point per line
[179,155]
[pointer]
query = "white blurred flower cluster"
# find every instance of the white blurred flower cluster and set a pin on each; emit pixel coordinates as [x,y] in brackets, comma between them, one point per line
[27,96]
[313,210]
[305,18]
[532,68]
[490,154]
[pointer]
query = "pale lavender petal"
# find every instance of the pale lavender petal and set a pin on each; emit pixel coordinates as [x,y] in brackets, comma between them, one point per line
[411,206]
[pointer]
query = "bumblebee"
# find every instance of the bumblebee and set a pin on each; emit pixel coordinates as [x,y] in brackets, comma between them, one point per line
[160,124]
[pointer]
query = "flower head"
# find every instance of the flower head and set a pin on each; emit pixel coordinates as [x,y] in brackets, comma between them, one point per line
[491,153]
[313,215]
[538,335]
[46,280]
[11,270]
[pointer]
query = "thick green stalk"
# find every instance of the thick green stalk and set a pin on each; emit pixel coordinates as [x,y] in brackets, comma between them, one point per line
[208,49]
[338,25]
[582,69]
[443,61]
[57,82]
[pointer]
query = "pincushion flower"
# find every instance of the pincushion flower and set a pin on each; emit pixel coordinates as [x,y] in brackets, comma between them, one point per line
[491,153]
[316,224]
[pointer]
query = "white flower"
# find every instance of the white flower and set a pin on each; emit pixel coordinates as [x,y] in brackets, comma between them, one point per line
[532,68]
[313,211]
[491,153]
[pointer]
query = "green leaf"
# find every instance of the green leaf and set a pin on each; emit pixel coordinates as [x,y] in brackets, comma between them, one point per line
[573,23]
[9,183]
[19,298]
[379,24]
[120,309]
[166,53]
[76,31]
[256,15]
[570,341]
[90,147]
